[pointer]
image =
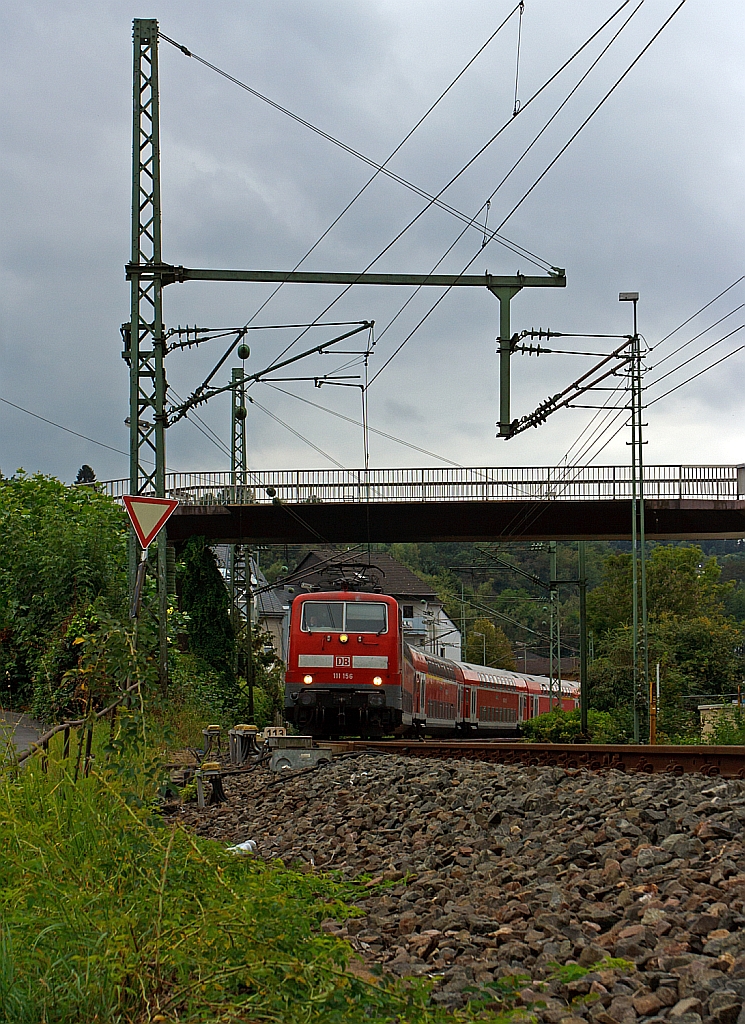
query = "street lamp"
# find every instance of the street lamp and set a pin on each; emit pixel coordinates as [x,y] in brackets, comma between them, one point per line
[638,553]
[483,637]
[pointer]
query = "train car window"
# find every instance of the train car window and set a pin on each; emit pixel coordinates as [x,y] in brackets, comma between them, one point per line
[366,617]
[319,616]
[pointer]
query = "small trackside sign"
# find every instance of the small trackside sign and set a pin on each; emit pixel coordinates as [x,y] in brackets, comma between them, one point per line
[148,515]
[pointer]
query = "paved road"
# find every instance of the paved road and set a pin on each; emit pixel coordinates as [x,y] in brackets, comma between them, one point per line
[20,728]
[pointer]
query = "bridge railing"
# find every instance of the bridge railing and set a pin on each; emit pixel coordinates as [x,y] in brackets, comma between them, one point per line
[504,483]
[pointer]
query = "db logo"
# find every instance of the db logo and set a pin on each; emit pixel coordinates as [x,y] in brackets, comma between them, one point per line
[342,662]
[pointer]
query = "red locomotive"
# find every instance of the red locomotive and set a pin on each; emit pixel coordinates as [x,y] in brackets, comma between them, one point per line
[349,671]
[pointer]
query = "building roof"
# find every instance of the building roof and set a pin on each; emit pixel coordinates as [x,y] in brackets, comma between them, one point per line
[320,568]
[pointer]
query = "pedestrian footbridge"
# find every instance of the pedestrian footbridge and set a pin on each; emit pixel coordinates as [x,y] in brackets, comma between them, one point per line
[458,503]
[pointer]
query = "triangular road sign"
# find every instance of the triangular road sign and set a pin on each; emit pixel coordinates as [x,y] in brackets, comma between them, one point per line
[148,515]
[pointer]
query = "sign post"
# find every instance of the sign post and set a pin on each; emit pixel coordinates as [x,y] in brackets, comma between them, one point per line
[148,517]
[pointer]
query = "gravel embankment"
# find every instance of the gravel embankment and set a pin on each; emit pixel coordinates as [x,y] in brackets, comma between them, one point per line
[499,870]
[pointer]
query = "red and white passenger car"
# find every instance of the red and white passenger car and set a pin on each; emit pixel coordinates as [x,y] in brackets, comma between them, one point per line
[349,671]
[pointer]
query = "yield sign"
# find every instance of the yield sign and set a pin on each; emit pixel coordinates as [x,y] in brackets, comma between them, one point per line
[148,515]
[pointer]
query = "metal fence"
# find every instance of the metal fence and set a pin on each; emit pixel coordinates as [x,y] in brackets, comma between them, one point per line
[508,483]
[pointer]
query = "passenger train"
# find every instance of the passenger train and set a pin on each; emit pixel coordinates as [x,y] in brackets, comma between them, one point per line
[350,672]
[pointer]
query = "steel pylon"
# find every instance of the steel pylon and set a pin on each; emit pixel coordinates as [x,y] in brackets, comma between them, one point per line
[239,557]
[144,348]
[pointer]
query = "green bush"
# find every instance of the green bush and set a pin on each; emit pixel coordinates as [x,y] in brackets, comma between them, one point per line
[566,727]
[729,727]
[62,559]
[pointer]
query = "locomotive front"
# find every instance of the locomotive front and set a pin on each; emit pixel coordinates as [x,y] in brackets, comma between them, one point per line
[344,664]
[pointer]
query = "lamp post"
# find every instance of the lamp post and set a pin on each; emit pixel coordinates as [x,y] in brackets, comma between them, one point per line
[483,637]
[638,544]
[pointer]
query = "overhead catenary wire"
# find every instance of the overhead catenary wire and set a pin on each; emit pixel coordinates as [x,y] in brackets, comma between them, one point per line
[610,421]
[203,428]
[544,172]
[517,205]
[698,312]
[377,171]
[695,337]
[297,434]
[592,113]
[696,355]
[489,142]
[695,375]
[680,5]
[486,239]
[372,430]
[379,168]
[516,104]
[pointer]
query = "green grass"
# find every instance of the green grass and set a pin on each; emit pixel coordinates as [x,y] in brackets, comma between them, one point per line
[108,913]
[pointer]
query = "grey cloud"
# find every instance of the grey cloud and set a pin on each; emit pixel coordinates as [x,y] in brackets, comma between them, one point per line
[648,197]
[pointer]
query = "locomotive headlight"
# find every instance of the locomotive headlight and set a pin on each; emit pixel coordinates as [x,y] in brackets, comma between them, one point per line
[378,681]
[307,679]
[343,638]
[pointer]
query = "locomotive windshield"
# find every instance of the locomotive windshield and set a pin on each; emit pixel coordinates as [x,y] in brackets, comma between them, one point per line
[321,616]
[365,617]
[340,616]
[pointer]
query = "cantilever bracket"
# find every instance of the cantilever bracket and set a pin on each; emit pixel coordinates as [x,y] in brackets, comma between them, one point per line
[505,288]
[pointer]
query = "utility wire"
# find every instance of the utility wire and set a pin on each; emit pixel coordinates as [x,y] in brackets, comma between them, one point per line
[698,311]
[373,430]
[695,375]
[67,430]
[696,337]
[297,434]
[487,235]
[547,169]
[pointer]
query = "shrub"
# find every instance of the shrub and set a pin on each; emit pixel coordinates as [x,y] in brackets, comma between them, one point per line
[565,727]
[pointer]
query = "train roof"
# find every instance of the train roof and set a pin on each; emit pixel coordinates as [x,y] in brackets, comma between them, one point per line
[343,595]
[518,680]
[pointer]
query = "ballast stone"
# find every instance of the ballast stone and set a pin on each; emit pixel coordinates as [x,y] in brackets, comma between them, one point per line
[502,869]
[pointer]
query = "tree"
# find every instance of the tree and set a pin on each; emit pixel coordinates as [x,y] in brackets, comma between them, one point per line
[85,475]
[62,561]
[486,637]
[206,601]
[681,581]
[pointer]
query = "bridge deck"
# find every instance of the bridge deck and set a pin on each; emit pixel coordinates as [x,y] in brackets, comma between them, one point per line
[394,505]
[353,523]
[457,484]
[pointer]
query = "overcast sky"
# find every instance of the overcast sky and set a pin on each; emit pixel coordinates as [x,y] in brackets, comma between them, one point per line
[649,197]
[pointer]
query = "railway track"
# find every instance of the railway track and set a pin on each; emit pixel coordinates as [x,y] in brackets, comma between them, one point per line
[727,762]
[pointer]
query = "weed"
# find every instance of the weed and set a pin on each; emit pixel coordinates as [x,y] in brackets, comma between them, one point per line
[108,914]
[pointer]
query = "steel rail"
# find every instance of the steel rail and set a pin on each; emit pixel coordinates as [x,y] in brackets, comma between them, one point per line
[725,761]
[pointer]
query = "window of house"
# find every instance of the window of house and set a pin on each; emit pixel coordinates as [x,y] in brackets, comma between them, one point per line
[408,611]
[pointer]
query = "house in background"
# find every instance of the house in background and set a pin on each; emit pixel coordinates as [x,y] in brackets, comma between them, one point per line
[426,624]
[271,611]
